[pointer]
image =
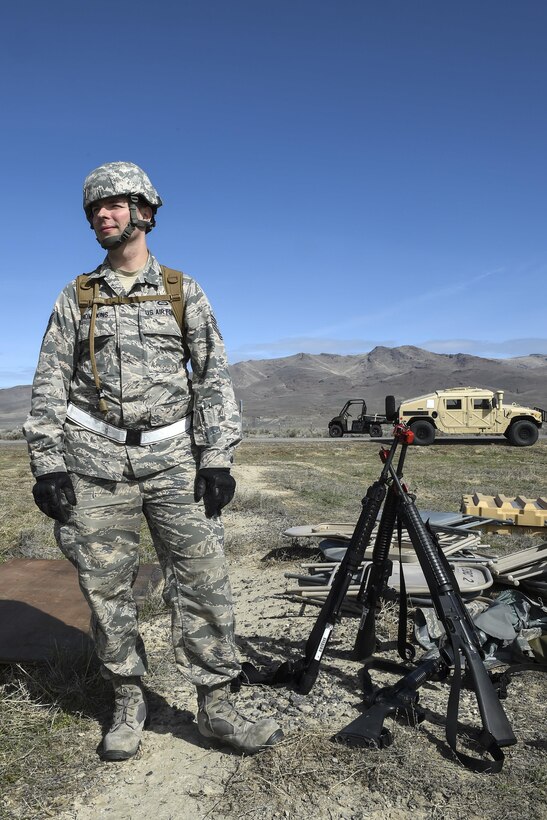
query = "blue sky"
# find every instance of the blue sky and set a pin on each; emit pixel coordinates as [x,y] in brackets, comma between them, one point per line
[336,175]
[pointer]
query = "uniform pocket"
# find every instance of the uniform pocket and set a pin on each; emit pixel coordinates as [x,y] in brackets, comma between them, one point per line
[105,324]
[104,341]
[211,417]
[162,338]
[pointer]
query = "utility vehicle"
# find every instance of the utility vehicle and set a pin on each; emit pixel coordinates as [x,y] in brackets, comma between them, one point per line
[353,419]
[471,411]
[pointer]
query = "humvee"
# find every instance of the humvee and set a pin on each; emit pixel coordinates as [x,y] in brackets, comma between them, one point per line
[471,411]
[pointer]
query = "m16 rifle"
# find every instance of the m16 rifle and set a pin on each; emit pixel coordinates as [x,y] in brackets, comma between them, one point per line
[389,496]
[462,641]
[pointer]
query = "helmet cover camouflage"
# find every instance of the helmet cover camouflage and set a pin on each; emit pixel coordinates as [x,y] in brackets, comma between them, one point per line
[118,179]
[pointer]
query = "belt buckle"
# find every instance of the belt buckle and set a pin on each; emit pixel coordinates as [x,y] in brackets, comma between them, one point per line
[133,438]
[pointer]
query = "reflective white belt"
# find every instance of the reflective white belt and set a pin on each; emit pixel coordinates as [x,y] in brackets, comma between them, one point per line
[128,436]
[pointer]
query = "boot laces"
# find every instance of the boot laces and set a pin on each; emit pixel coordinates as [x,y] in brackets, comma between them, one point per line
[224,709]
[126,703]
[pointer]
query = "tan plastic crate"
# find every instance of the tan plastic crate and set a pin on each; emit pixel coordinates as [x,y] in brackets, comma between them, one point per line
[519,510]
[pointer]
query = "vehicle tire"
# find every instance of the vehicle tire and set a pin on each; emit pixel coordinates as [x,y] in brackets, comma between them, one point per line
[391,410]
[424,433]
[522,433]
[335,431]
[375,430]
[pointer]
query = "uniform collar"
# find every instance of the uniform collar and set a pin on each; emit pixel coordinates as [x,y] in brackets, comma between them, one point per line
[151,274]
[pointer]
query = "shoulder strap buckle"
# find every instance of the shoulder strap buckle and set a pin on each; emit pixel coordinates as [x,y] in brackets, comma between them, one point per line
[172,282]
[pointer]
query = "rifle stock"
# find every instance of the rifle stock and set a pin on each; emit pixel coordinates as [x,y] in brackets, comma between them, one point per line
[494,719]
[458,625]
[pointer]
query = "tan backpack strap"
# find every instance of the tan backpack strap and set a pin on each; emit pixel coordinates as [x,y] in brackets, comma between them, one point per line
[172,282]
[84,292]
[88,297]
[102,405]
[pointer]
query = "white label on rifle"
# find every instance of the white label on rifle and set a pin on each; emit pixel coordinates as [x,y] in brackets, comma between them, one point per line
[363,618]
[324,639]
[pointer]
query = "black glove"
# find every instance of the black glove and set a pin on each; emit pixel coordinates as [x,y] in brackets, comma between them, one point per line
[216,486]
[54,495]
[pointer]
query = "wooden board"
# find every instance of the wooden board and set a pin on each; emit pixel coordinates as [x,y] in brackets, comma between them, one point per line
[43,611]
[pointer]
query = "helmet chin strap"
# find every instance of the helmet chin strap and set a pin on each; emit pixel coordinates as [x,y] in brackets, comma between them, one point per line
[111,242]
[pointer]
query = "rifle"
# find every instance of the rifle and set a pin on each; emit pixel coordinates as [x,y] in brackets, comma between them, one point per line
[462,639]
[302,673]
[462,642]
[376,575]
[401,700]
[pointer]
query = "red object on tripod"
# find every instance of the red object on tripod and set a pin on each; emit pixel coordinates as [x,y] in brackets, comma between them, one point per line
[401,433]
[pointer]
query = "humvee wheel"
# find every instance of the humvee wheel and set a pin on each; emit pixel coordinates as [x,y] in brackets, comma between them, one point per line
[375,430]
[522,433]
[335,431]
[424,433]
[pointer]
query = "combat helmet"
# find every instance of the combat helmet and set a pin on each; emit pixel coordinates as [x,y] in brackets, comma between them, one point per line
[121,179]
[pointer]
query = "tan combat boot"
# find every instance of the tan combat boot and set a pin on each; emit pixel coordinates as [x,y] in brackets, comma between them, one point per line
[124,736]
[218,719]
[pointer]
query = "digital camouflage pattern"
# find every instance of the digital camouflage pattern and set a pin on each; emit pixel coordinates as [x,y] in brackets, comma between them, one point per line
[102,538]
[143,364]
[143,361]
[118,179]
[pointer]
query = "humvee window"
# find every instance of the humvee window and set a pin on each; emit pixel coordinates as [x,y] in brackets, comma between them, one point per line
[453,404]
[481,404]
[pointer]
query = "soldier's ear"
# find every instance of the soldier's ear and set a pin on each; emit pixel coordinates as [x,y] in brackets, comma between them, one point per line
[146,212]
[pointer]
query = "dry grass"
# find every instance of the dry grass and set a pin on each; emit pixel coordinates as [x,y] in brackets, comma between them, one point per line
[50,716]
[327,781]
[326,481]
[21,522]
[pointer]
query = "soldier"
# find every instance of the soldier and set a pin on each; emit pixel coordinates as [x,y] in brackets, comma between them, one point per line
[118,429]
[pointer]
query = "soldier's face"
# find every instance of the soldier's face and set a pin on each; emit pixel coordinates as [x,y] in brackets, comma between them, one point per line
[110,216]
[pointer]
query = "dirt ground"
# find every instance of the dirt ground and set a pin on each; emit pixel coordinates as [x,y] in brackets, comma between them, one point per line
[176,776]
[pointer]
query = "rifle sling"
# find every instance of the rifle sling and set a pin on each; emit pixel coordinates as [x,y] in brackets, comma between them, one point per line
[485,739]
[404,648]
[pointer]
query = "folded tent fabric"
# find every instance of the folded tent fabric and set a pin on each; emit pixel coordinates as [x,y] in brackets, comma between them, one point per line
[513,627]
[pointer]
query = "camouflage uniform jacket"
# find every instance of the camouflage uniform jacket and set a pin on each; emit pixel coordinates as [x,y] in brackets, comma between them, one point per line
[142,361]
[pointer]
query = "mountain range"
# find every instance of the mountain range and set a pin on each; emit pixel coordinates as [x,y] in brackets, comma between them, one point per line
[305,390]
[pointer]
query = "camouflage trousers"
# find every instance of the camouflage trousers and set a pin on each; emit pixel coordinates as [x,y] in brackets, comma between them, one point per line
[101,539]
